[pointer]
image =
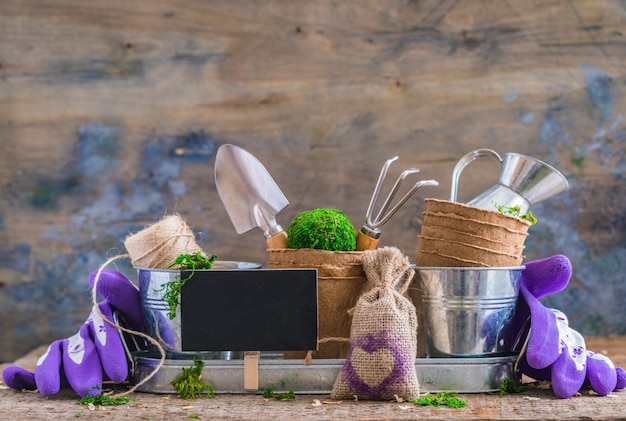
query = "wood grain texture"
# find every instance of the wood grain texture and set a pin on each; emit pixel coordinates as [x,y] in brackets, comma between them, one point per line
[110,115]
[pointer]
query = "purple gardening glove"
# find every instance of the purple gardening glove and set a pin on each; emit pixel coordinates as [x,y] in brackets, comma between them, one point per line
[95,353]
[554,351]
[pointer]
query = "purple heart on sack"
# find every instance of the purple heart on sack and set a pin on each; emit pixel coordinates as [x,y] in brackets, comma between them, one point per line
[374,363]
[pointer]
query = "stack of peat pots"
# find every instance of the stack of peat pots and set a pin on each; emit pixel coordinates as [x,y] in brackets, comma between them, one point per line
[455,234]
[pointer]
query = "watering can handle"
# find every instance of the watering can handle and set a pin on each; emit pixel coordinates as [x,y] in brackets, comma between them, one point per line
[463,162]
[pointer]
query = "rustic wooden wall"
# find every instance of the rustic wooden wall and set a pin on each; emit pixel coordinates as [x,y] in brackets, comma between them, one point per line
[111,113]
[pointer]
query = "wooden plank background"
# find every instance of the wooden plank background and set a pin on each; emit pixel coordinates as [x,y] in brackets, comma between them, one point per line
[111,113]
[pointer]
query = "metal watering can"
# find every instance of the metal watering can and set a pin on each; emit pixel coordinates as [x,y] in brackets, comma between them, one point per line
[523,181]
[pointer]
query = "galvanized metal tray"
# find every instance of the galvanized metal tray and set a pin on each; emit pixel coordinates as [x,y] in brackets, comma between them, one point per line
[462,375]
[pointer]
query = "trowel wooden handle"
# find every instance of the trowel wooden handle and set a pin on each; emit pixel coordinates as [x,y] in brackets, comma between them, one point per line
[277,241]
[363,242]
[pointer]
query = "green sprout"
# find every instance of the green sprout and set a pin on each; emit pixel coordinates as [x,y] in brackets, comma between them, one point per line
[188,385]
[439,399]
[99,399]
[172,289]
[193,261]
[515,211]
[285,396]
[578,161]
[508,386]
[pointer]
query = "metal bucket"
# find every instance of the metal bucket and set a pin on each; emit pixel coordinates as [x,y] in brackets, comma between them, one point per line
[155,311]
[466,312]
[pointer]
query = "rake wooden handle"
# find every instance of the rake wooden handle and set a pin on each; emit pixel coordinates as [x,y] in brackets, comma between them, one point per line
[364,242]
[277,241]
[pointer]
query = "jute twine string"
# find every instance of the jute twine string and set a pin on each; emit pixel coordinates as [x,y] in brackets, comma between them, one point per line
[159,245]
[94,301]
[308,359]
[155,247]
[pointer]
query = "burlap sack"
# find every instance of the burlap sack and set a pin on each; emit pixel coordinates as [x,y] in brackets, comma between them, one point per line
[341,280]
[380,364]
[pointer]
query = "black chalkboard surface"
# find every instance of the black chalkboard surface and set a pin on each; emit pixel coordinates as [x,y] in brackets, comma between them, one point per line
[249,310]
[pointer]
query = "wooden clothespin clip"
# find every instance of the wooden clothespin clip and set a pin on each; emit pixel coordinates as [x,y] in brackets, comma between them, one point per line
[251,370]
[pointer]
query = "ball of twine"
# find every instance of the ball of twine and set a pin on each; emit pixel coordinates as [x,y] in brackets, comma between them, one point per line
[160,244]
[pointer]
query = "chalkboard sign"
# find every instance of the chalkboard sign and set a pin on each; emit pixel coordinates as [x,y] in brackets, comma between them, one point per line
[249,310]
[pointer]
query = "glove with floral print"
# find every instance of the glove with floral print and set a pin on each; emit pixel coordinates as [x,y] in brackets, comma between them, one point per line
[554,351]
[95,353]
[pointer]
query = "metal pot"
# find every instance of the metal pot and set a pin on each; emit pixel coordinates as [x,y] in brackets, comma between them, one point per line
[467,311]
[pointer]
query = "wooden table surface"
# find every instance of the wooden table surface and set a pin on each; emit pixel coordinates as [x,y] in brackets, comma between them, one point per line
[533,404]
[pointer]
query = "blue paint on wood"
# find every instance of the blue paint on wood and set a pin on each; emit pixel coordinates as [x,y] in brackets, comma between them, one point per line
[510,96]
[594,298]
[195,146]
[97,150]
[46,190]
[598,85]
[527,118]
[551,133]
[93,70]
[16,258]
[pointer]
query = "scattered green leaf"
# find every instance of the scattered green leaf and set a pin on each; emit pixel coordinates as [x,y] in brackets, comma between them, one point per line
[101,400]
[439,399]
[172,289]
[193,416]
[508,386]
[188,385]
[578,161]
[515,211]
[285,396]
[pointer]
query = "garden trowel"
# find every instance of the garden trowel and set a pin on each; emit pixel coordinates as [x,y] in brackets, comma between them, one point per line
[249,194]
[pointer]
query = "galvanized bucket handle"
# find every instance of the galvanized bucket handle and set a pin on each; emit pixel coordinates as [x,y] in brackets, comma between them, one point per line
[522,335]
[463,162]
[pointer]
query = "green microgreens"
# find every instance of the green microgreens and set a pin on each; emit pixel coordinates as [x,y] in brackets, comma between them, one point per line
[188,385]
[285,396]
[193,261]
[508,386]
[439,399]
[172,289]
[515,211]
[99,399]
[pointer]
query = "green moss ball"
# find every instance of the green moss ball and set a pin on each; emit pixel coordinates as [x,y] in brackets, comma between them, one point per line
[323,229]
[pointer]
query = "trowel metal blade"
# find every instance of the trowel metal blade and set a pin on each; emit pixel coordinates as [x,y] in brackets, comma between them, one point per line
[249,193]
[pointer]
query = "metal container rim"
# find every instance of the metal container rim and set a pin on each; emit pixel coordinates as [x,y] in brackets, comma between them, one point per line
[468,268]
[235,263]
